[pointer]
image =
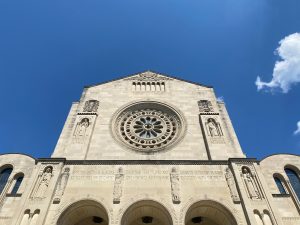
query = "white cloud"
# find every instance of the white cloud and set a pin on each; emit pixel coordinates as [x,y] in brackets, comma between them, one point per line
[220,99]
[298,129]
[287,71]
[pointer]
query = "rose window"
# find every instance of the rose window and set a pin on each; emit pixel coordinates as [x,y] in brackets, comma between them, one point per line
[148,129]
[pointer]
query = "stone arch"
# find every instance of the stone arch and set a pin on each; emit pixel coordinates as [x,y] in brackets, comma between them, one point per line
[146,211]
[16,183]
[280,182]
[209,212]
[84,212]
[5,174]
[267,218]
[292,167]
[258,217]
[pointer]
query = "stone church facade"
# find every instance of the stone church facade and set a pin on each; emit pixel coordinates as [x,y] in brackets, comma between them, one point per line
[149,149]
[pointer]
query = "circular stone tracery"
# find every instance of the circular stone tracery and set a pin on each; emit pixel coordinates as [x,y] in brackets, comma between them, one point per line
[148,127]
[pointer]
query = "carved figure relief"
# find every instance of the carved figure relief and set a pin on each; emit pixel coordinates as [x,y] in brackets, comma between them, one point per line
[250,184]
[231,185]
[213,128]
[61,185]
[91,106]
[117,193]
[175,185]
[44,182]
[205,106]
[148,76]
[81,129]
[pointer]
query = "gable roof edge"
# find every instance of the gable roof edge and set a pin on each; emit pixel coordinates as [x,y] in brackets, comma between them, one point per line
[162,74]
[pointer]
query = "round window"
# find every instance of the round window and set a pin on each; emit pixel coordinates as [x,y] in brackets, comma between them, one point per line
[148,126]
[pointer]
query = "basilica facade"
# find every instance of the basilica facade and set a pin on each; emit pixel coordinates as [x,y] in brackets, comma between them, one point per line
[149,149]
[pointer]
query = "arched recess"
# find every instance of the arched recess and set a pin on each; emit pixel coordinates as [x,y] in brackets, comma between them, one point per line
[17,182]
[146,212]
[294,177]
[207,212]
[84,212]
[5,172]
[280,183]
[258,218]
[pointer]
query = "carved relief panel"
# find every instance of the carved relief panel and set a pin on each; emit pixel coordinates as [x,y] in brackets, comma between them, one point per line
[118,185]
[91,106]
[205,106]
[175,186]
[61,185]
[213,129]
[43,182]
[83,128]
[251,183]
[232,186]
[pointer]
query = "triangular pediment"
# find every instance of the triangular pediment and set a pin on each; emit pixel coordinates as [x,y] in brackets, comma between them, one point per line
[148,76]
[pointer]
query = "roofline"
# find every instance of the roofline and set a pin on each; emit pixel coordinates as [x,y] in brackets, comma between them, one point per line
[279,154]
[16,153]
[166,75]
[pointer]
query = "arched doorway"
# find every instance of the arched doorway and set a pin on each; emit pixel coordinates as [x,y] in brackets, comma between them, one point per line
[146,212]
[208,212]
[85,212]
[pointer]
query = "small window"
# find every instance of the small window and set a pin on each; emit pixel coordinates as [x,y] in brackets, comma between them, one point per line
[280,185]
[17,185]
[294,180]
[4,175]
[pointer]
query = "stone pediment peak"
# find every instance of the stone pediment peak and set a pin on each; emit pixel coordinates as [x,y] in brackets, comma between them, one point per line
[149,75]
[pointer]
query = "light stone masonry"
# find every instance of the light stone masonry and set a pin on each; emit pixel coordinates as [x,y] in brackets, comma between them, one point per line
[149,149]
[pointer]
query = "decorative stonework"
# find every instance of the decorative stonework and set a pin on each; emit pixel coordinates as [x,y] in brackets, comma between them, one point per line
[251,184]
[43,183]
[232,186]
[91,106]
[61,185]
[213,128]
[205,106]
[148,126]
[175,186]
[148,76]
[117,193]
[82,129]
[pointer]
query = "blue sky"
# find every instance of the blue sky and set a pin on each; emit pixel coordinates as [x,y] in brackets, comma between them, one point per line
[50,49]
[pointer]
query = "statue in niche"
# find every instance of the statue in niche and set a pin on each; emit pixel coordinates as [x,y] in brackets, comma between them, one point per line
[80,129]
[61,185]
[250,184]
[231,185]
[44,183]
[117,193]
[91,106]
[213,128]
[205,106]
[175,185]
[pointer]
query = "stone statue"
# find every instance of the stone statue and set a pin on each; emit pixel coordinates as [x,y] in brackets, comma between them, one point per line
[250,184]
[61,185]
[117,193]
[205,106]
[81,128]
[175,186]
[44,183]
[231,185]
[213,128]
[91,106]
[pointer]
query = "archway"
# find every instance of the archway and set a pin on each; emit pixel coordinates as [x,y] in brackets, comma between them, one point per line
[146,212]
[85,212]
[208,212]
